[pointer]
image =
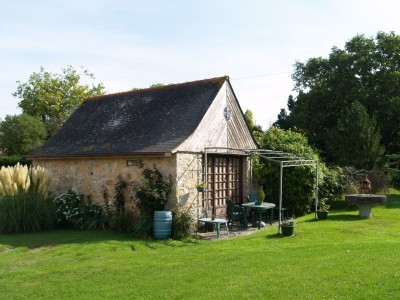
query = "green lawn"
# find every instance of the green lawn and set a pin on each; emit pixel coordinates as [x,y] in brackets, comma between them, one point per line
[344,257]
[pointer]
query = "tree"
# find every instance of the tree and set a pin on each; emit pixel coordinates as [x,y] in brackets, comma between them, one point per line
[359,138]
[299,182]
[256,130]
[248,116]
[366,71]
[53,97]
[283,116]
[19,135]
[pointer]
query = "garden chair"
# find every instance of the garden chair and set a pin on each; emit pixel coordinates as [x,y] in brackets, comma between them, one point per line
[236,213]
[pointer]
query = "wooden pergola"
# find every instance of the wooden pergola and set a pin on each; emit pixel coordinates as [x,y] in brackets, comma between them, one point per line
[284,159]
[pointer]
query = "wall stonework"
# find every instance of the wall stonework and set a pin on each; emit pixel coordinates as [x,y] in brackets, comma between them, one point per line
[189,172]
[90,176]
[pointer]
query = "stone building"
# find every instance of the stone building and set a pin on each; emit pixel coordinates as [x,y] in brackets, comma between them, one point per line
[169,126]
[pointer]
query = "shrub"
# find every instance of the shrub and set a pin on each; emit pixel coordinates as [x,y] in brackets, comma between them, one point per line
[10,161]
[152,193]
[298,182]
[125,221]
[183,223]
[24,204]
[73,210]
[379,181]
[331,185]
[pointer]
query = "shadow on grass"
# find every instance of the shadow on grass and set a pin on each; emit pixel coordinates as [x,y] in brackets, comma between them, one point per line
[274,236]
[393,201]
[53,238]
[338,217]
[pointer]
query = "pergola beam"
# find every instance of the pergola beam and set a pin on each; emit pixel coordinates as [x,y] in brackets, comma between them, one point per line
[284,160]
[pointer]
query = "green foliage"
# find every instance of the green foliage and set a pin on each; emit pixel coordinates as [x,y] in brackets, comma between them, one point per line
[152,193]
[9,161]
[256,130]
[331,183]
[53,97]
[393,169]
[379,181]
[365,71]
[248,116]
[24,205]
[19,135]
[25,212]
[359,138]
[156,85]
[183,223]
[120,188]
[73,210]
[323,205]
[123,221]
[298,182]
[261,194]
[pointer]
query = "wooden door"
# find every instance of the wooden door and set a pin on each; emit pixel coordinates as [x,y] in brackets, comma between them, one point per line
[225,180]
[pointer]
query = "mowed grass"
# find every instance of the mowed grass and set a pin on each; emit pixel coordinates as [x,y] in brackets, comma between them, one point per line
[344,257]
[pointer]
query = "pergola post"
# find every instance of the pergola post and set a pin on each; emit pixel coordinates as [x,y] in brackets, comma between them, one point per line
[206,179]
[251,172]
[280,196]
[316,188]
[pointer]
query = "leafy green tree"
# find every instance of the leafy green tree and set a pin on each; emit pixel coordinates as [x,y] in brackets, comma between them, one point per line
[53,97]
[256,130]
[283,116]
[156,85]
[298,182]
[355,140]
[367,71]
[248,115]
[21,134]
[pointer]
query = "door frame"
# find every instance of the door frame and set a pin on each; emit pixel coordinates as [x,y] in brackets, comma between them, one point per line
[222,179]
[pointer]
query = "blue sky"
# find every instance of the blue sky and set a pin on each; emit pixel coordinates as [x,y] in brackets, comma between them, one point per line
[129,44]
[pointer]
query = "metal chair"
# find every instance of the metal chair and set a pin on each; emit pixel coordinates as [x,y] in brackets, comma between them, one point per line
[236,213]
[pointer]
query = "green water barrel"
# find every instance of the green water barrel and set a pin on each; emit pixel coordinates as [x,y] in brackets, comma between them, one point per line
[162,224]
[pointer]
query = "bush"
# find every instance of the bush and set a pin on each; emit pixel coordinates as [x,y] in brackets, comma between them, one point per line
[73,210]
[331,184]
[152,193]
[24,204]
[183,223]
[298,182]
[10,161]
[379,181]
[123,221]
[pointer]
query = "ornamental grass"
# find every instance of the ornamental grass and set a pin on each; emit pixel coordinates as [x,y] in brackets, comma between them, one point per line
[24,203]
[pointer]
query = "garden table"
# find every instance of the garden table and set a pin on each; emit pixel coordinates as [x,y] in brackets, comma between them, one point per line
[260,208]
[217,223]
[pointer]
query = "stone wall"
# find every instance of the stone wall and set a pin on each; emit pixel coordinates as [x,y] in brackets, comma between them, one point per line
[189,172]
[90,176]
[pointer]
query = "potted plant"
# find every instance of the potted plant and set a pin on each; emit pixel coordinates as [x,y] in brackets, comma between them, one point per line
[261,196]
[201,186]
[323,210]
[287,227]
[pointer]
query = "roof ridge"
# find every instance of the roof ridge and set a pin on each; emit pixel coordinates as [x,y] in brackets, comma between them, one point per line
[226,77]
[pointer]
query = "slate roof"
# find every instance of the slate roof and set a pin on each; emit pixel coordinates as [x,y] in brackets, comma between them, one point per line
[147,121]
